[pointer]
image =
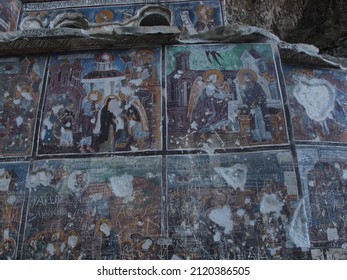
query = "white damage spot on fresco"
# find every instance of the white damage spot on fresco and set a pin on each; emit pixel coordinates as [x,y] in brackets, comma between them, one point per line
[240,212]
[12,199]
[270,203]
[72,241]
[4,181]
[147,244]
[105,229]
[222,217]
[78,181]
[332,234]
[122,186]
[50,249]
[217,236]
[290,182]
[235,176]
[344,174]
[298,230]
[39,177]
[317,96]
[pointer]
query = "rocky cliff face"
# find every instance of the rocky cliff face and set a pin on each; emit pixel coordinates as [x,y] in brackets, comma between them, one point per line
[322,23]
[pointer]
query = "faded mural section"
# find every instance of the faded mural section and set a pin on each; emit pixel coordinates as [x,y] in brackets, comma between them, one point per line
[12,195]
[323,174]
[317,102]
[21,80]
[234,206]
[92,209]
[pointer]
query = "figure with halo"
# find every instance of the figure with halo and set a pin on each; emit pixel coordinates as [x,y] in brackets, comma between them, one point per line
[208,102]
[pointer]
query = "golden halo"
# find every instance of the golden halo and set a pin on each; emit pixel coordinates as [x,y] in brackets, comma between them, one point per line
[244,71]
[24,87]
[111,96]
[104,16]
[11,243]
[219,74]
[93,92]
[209,10]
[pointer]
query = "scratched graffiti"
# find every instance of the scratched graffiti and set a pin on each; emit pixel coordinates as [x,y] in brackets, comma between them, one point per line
[234,206]
[12,193]
[87,209]
[223,96]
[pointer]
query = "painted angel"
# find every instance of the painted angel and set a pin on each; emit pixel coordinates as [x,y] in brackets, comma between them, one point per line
[208,102]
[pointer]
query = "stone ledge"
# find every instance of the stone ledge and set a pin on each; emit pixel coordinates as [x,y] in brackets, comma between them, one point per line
[63,39]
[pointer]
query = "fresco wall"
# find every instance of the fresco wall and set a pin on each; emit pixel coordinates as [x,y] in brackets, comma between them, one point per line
[180,151]
[191,17]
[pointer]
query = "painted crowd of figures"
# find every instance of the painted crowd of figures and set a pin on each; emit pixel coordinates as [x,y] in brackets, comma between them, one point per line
[116,124]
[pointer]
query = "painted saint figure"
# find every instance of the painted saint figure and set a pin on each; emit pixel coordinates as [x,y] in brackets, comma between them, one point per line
[254,98]
[111,122]
[208,102]
[89,118]
[205,18]
[66,136]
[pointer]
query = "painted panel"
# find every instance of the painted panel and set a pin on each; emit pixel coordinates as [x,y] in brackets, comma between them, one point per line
[192,17]
[92,209]
[234,206]
[102,101]
[12,194]
[223,96]
[21,80]
[323,173]
[9,14]
[318,103]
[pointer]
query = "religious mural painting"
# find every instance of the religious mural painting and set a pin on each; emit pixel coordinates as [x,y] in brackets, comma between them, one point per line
[102,101]
[9,14]
[318,101]
[92,209]
[21,80]
[323,173]
[192,17]
[234,206]
[223,96]
[12,194]
[329,253]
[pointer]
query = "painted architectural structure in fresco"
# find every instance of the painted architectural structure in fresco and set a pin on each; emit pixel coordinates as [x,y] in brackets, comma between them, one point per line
[223,96]
[21,84]
[318,102]
[164,150]
[104,101]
